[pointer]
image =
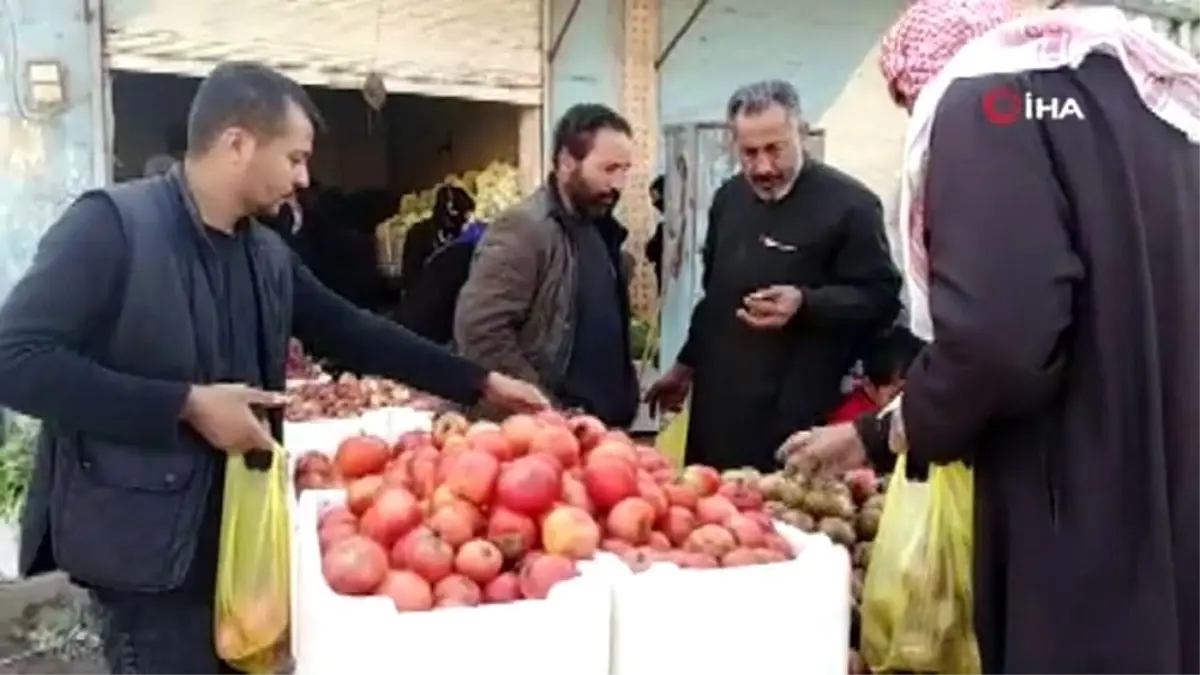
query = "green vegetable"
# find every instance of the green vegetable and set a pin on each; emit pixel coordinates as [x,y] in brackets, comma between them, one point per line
[16,464]
[640,337]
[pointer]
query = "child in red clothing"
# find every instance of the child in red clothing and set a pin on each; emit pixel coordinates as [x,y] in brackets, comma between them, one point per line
[884,366]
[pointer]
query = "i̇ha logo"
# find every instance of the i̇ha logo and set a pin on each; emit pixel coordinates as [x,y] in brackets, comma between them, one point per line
[1004,106]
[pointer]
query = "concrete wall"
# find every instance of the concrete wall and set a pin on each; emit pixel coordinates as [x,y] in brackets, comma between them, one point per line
[827,49]
[587,66]
[45,158]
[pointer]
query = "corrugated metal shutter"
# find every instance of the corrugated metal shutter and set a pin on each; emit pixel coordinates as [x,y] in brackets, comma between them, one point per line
[478,49]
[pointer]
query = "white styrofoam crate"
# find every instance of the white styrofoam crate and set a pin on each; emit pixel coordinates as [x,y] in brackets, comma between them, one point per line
[324,435]
[333,634]
[792,616]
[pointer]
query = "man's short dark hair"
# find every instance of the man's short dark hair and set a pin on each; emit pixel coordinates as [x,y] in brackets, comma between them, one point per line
[656,185]
[577,128]
[754,98]
[247,95]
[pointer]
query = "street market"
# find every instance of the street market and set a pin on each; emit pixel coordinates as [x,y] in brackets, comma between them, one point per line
[596,336]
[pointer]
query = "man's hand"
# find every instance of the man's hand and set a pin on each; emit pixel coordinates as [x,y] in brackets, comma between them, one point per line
[771,308]
[513,395]
[831,450]
[671,390]
[226,416]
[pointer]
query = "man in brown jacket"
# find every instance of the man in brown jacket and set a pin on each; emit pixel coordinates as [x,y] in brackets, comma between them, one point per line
[547,298]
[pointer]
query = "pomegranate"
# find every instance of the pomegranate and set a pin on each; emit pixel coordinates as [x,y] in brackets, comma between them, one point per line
[557,442]
[447,425]
[471,475]
[355,565]
[609,480]
[336,513]
[423,474]
[588,429]
[659,542]
[314,461]
[704,479]
[479,428]
[457,591]
[697,561]
[550,461]
[631,519]
[452,525]
[394,513]
[651,460]
[776,542]
[575,494]
[361,493]
[571,532]
[742,494]
[411,440]
[424,553]
[761,519]
[528,486]
[770,555]
[621,450]
[408,591]
[678,524]
[655,496]
[711,539]
[747,532]
[331,533]
[541,572]
[494,443]
[504,588]
[714,510]
[740,557]
[682,494]
[454,444]
[513,533]
[519,430]
[479,560]
[617,546]
[358,456]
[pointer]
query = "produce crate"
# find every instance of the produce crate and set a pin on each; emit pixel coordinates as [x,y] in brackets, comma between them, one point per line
[332,634]
[783,617]
[325,435]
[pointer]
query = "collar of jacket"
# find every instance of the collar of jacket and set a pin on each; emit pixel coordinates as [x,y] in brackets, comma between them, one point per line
[179,181]
[557,210]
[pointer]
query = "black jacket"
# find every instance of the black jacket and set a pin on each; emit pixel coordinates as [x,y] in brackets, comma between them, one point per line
[102,339]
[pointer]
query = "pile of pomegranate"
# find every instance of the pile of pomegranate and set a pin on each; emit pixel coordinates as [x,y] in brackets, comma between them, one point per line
[486,513]
[345,397]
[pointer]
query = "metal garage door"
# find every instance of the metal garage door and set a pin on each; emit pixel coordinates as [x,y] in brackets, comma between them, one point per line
[478,49]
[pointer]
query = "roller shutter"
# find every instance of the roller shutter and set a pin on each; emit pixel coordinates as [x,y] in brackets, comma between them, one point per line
[486,50]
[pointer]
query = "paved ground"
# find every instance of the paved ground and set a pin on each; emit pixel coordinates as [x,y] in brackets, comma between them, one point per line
[45,627]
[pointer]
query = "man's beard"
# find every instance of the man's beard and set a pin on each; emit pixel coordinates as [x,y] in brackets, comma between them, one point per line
[588,202]
[779,187]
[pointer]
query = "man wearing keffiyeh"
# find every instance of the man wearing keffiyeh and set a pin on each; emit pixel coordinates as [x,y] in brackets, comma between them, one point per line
[1054,267]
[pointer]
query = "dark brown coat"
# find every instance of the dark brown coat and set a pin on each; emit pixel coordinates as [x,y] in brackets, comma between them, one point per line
[1065,271]
[515,314]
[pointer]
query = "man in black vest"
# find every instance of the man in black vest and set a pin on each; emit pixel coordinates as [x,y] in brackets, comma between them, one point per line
[148,335]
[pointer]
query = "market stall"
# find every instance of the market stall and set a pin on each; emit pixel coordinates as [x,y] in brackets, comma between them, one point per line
[552,542]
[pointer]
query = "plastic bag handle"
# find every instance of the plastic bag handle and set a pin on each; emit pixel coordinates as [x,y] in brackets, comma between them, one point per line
[261,460]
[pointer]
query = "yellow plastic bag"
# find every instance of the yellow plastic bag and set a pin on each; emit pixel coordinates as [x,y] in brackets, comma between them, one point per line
[672,440]
[917,607]
[253,576]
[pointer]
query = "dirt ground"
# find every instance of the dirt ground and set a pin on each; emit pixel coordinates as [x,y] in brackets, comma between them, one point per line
[54,637]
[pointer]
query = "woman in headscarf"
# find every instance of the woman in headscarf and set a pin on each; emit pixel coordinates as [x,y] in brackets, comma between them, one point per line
[1054,264]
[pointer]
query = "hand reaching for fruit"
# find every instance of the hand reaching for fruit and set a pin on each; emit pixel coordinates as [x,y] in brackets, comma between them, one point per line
[225,415]
[831,450]
[513,395]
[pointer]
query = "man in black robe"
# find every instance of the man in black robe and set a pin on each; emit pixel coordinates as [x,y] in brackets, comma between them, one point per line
[796,271]
[1064,283]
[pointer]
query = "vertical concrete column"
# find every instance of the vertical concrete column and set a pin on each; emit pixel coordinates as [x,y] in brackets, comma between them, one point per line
[530,155]
[639,101]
